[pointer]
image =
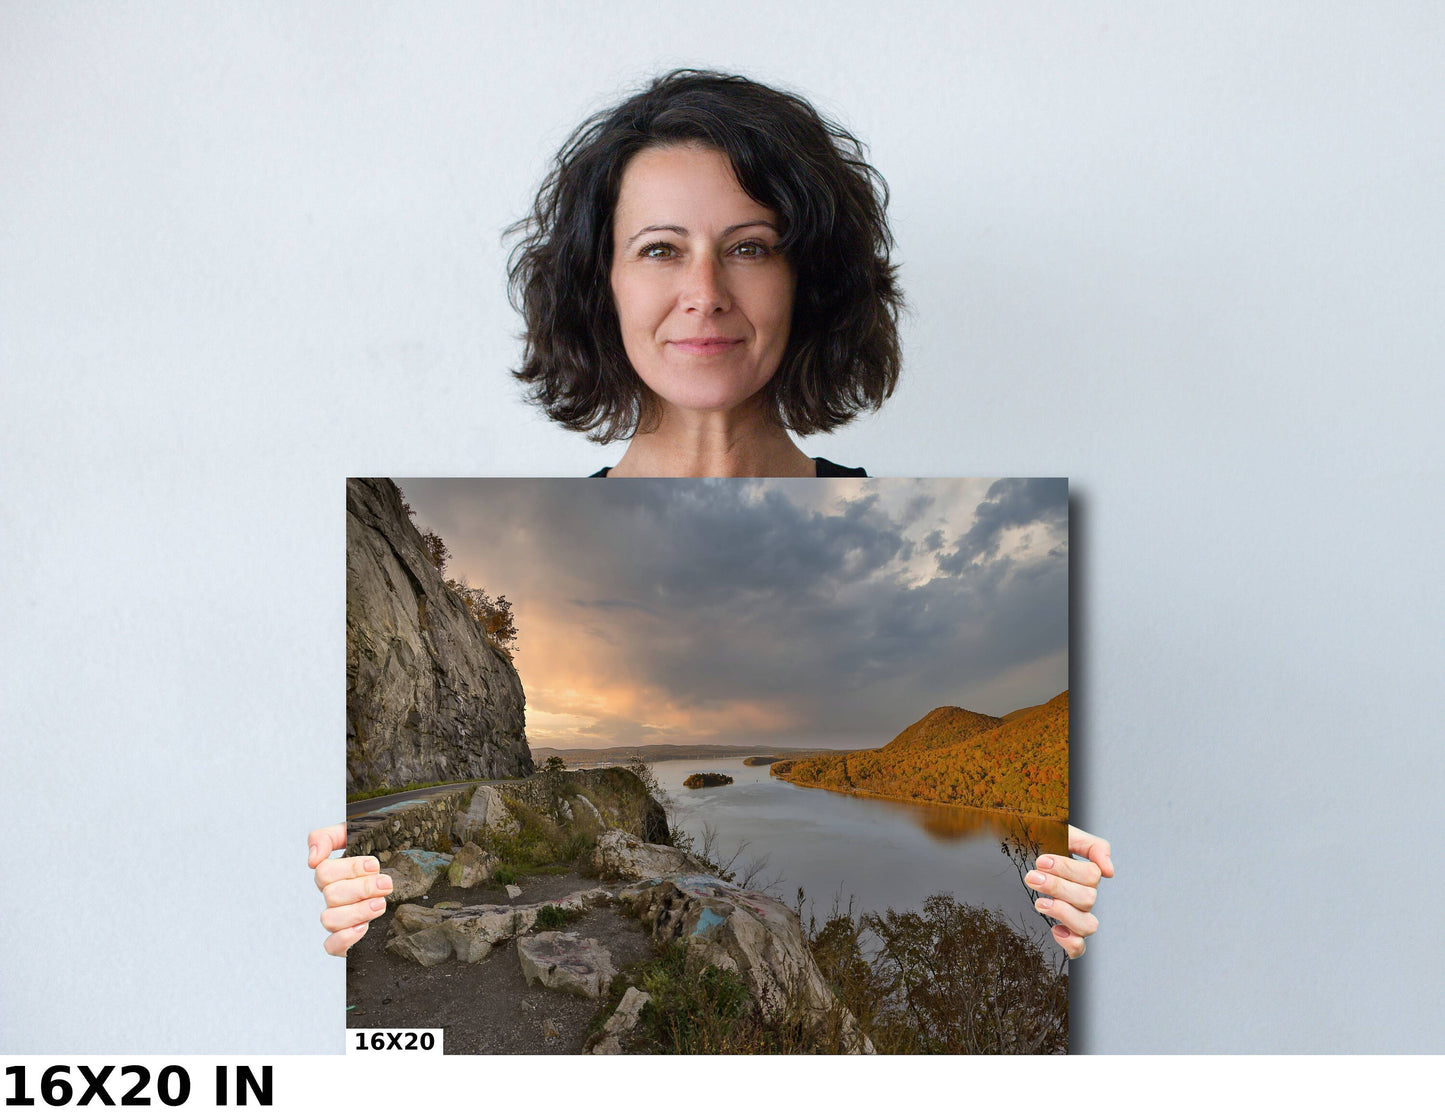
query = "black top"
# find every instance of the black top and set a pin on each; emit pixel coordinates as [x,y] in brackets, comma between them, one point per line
[825,469]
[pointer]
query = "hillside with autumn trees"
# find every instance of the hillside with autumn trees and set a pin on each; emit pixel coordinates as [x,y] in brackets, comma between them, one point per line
[1019,762]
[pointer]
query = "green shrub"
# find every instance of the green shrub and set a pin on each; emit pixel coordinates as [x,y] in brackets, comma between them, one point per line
[577,847]
[964,982]
[535,842]
[553,918]
[701,1009]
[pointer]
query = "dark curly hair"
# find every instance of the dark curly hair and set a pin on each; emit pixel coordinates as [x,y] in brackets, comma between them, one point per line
[843,352]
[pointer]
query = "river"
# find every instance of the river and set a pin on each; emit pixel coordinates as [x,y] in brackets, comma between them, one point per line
[876,852]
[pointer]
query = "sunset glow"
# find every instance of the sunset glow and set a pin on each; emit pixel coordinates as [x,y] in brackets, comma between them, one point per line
[764,612]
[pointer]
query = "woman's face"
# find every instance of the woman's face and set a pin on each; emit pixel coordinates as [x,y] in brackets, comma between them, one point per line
[703,296]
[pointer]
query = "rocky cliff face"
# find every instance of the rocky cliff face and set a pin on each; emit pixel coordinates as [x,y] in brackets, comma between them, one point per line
[427,695]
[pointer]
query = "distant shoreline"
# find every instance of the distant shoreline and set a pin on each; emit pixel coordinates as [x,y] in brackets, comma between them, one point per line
[621,758]
[862,794]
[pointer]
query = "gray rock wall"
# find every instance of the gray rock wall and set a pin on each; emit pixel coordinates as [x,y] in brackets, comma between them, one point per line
[420,825]
[427,695]
[618,800]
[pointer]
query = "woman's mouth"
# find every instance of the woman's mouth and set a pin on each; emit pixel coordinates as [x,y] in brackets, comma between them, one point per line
[706,346]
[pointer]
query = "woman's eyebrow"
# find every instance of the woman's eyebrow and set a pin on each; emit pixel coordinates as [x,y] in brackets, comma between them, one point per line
[680,231]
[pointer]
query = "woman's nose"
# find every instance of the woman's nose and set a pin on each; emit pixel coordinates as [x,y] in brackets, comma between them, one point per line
[705,288]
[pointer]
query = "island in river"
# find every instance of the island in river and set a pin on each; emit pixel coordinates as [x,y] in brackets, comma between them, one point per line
[707,779]
[1017,763]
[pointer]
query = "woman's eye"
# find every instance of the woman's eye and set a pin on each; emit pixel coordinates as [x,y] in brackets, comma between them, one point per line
[658,251]
[751,249]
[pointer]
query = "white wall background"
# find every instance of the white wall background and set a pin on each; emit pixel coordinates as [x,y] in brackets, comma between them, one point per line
[1189,256]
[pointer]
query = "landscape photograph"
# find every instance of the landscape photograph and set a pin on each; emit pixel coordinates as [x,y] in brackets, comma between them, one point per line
[709,766]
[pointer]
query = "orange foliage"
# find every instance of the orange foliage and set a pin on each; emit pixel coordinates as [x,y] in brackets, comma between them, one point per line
[1015,763]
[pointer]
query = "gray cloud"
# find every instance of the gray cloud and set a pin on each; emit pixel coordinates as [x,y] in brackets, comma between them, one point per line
[1011,502]
[722,593]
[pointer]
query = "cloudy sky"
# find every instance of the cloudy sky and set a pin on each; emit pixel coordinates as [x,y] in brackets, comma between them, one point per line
[764,612]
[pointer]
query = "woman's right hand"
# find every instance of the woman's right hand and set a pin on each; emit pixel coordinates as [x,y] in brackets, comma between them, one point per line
[355,888]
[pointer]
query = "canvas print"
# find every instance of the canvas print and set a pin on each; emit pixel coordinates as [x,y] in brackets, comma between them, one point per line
[709,765]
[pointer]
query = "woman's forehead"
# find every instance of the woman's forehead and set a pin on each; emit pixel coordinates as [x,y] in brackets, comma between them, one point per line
[685,185]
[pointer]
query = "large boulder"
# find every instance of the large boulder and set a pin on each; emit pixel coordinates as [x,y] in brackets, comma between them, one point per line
[428,947]
[471,932]
[487,812]
[619,855]
[564,961]
[415,917]
[750,933]
[470,867]
[428,696]
[413,872]
[614,797]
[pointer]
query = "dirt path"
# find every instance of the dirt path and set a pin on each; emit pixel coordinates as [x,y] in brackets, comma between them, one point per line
[486,1008]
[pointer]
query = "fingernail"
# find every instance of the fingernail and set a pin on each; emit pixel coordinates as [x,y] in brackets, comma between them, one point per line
[313,854]
[1035,880]
[1046,862]
[378,904]
[372,865]
[1043,902]
[383,884]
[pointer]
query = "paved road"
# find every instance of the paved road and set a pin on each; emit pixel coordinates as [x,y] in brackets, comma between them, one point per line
[364,808]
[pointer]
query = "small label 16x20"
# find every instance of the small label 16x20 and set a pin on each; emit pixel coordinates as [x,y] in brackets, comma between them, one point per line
[393,1041]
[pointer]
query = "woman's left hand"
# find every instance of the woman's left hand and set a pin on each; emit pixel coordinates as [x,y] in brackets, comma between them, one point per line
[1070,887]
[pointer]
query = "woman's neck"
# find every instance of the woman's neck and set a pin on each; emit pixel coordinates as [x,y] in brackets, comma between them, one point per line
[710,444]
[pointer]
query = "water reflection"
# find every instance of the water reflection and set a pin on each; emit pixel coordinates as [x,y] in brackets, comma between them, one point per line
[873,853]
[946,823]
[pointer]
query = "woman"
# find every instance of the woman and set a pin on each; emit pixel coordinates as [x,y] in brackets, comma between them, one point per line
[704,274]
